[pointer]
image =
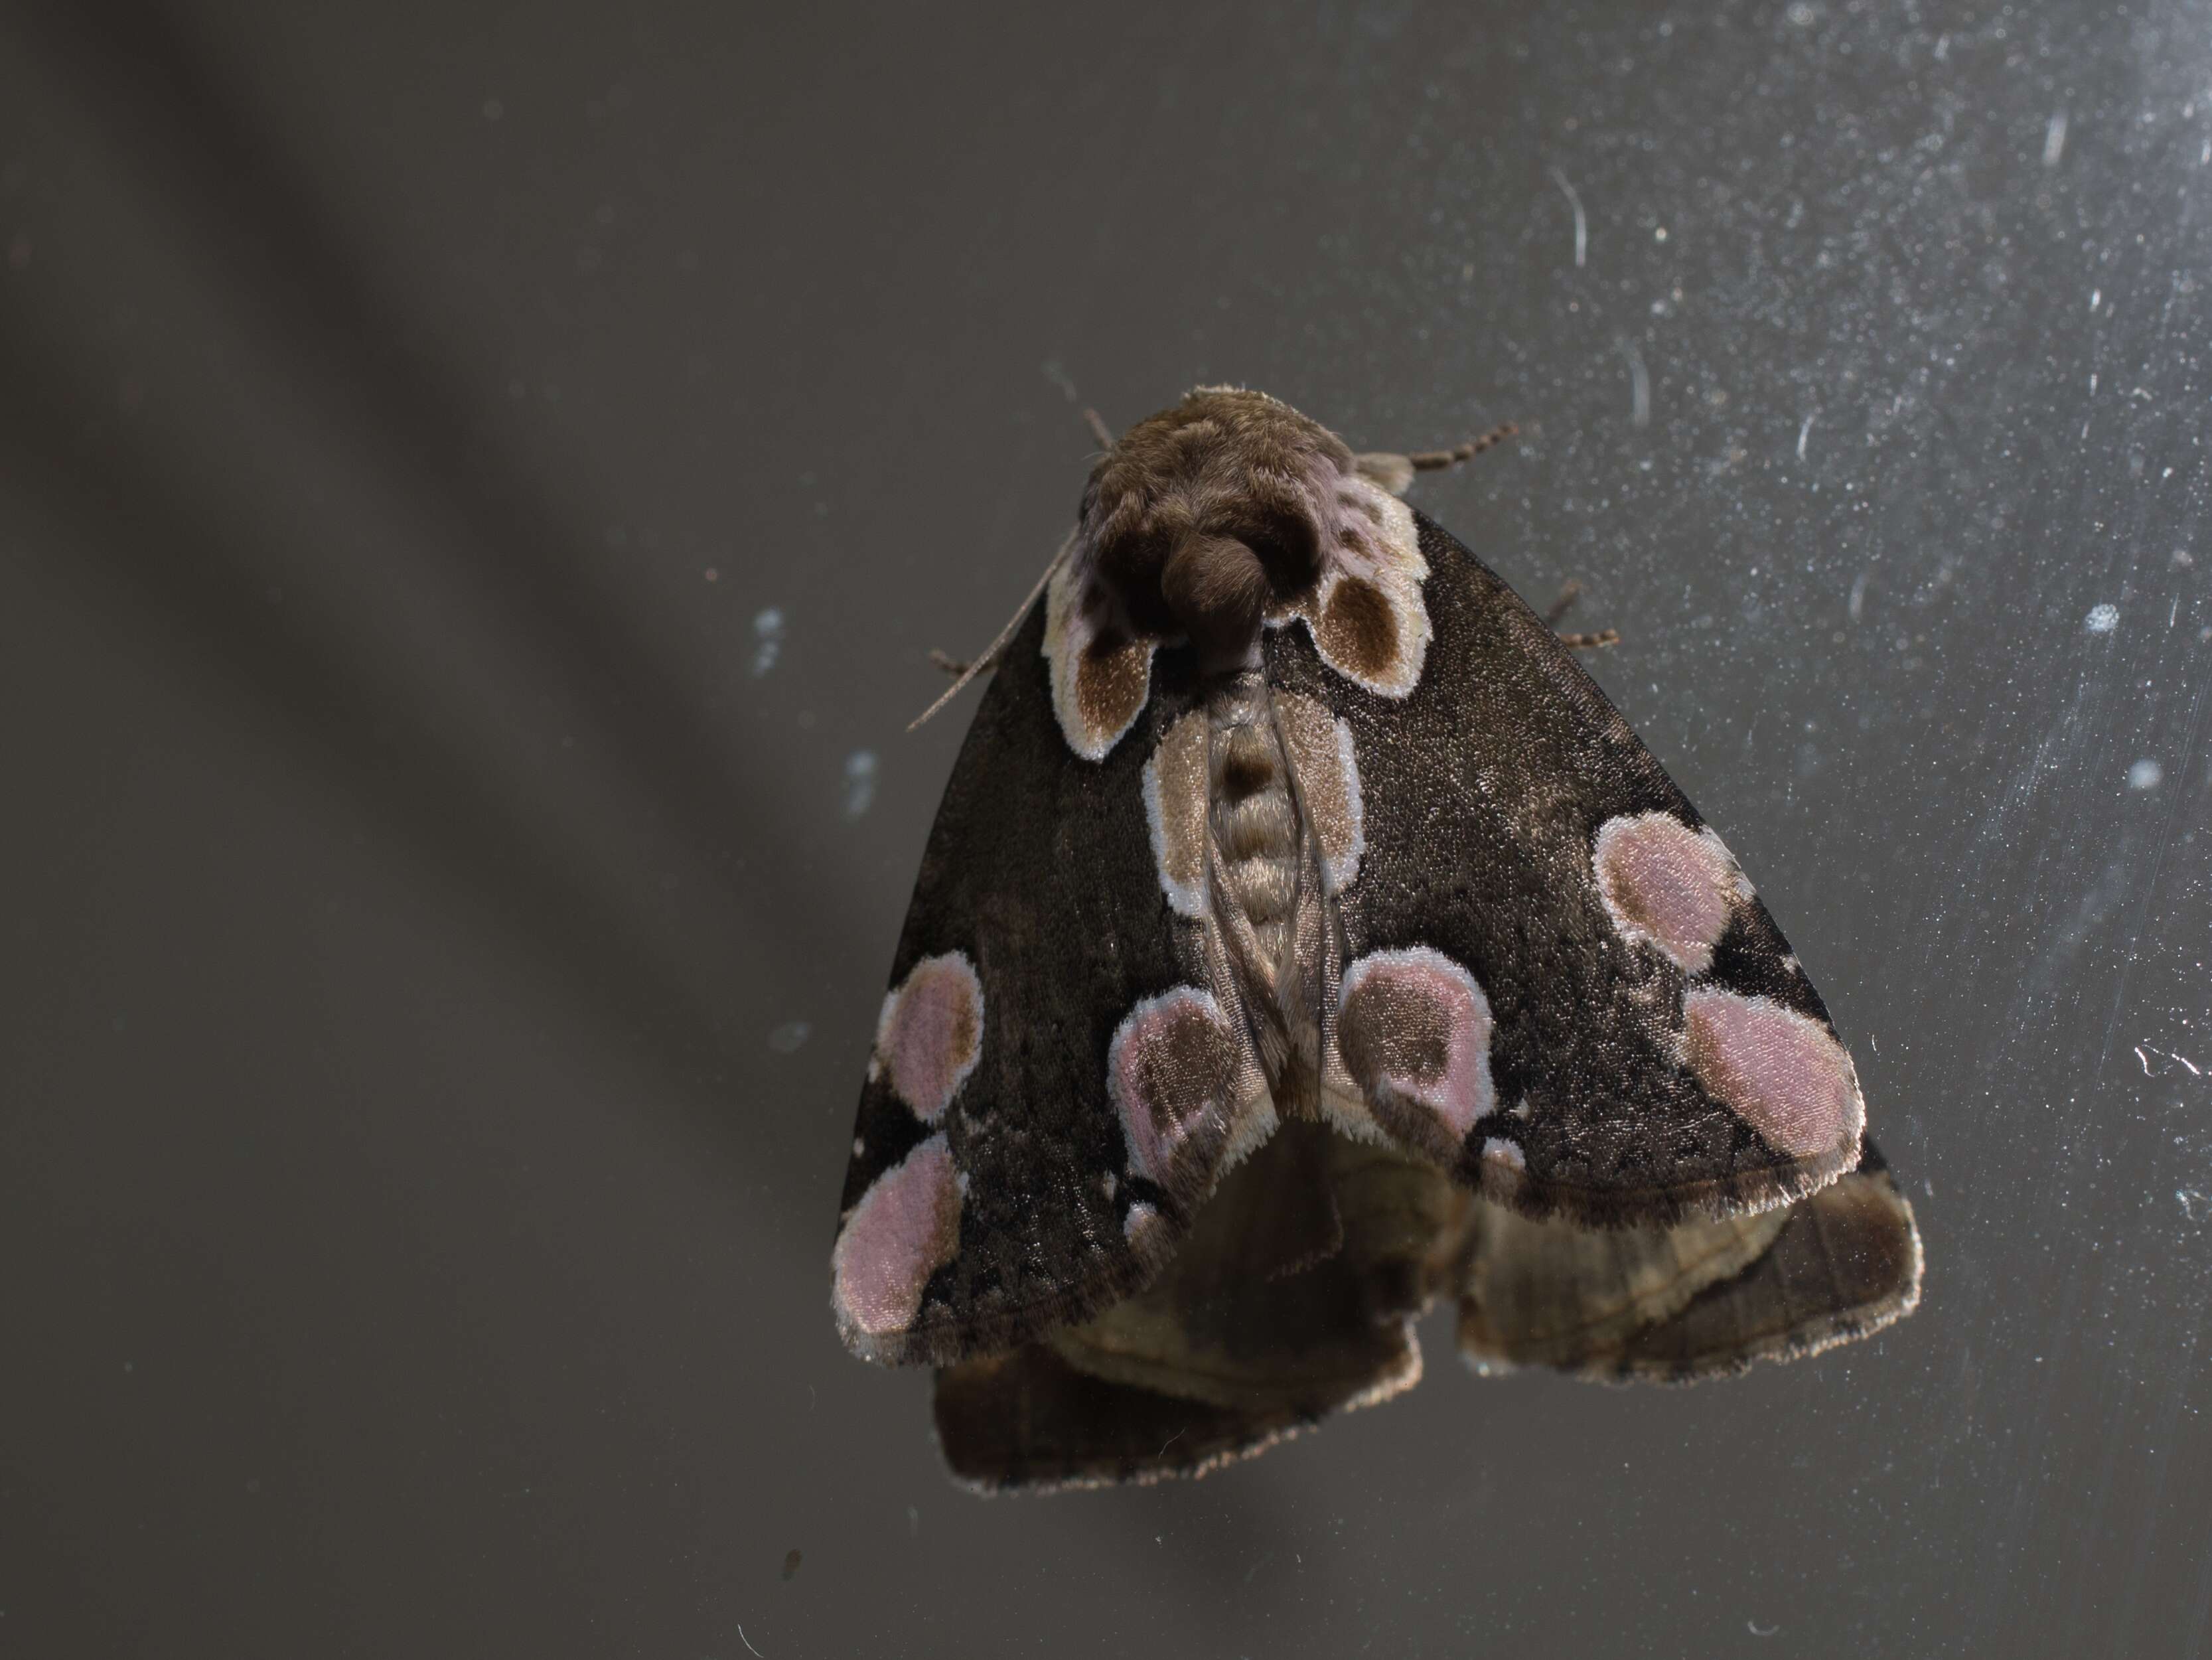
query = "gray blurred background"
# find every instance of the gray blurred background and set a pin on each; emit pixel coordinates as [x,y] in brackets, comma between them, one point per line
[478,486]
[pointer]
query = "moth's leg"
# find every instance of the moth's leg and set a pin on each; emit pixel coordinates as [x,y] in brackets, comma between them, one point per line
[1394,472]
[963,672]
[1568,594]
[1099,429]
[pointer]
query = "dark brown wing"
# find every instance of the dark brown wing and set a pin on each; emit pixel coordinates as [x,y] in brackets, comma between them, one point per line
[997,1185]
[1558,982]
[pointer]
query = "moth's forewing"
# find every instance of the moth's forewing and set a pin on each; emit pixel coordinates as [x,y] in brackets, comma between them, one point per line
[990,1194]
[1559,983]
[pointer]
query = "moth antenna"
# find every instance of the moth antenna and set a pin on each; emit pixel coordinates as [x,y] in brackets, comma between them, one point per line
[1429,460]
[997,646]
[1099,429]
[949,663]
[1570,592]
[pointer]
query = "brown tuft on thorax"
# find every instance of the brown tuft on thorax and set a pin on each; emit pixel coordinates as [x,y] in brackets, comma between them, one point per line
[1207,516]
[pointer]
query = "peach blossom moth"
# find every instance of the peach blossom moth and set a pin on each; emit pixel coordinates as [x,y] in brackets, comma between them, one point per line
[1304,936]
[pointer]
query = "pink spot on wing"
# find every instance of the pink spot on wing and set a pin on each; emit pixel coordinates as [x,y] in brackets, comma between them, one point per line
[931,1033]
[1169,1070]
[1667,886]
[1782,1073]
[1413,1026]
[906,1227]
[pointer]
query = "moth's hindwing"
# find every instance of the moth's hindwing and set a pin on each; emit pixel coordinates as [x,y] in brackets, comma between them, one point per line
[1705,1296]
[1293,1297]
[1558,982]
[1051,1081]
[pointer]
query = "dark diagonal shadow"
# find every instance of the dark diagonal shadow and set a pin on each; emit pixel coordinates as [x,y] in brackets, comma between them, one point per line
[197,145]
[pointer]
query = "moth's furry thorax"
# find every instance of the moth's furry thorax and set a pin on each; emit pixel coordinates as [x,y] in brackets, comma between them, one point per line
[1211,516]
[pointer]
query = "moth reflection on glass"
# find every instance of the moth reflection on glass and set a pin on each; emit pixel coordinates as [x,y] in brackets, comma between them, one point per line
[1303,937]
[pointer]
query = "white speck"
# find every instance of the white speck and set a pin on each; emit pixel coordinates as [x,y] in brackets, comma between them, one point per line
[1804,428]
[2096,295]
[2145,1059]
[1581,224]
[2193,1205]
[859,782]
[1498,1150]
[767,630]
[1858,596]
[2102,619]
[2181,559]
[2145,775]
[1639,386]
[748,1642]
[786,1037]
[2054,140]
[1753,1626]
[1802,15]
[1659,234]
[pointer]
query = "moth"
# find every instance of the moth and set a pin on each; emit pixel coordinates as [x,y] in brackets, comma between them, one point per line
[1303,937]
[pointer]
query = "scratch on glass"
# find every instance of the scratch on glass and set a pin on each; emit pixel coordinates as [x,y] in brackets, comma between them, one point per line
[1581,224]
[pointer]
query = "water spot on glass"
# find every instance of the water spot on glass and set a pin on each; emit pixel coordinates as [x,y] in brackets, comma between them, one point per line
[767,636]
[786,1037]
[2102,619]
[791,1561]
[859,782]
[2145,775]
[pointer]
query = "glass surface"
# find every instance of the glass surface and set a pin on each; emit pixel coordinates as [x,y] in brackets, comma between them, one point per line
[478,486]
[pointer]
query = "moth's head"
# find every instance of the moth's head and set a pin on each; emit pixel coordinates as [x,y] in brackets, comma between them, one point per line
[1210,516]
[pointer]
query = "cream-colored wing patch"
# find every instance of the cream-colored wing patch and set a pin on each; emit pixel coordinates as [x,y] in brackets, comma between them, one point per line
[1175,812]
[1367,619]
[1099,681]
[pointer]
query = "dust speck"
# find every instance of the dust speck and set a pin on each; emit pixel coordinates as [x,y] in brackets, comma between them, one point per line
[2145,775]
[2102,619]
[768,639]
[786,1037]
[859,782]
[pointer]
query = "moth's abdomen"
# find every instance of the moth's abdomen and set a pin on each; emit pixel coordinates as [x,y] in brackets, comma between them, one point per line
[1265,894]
[1254,828]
